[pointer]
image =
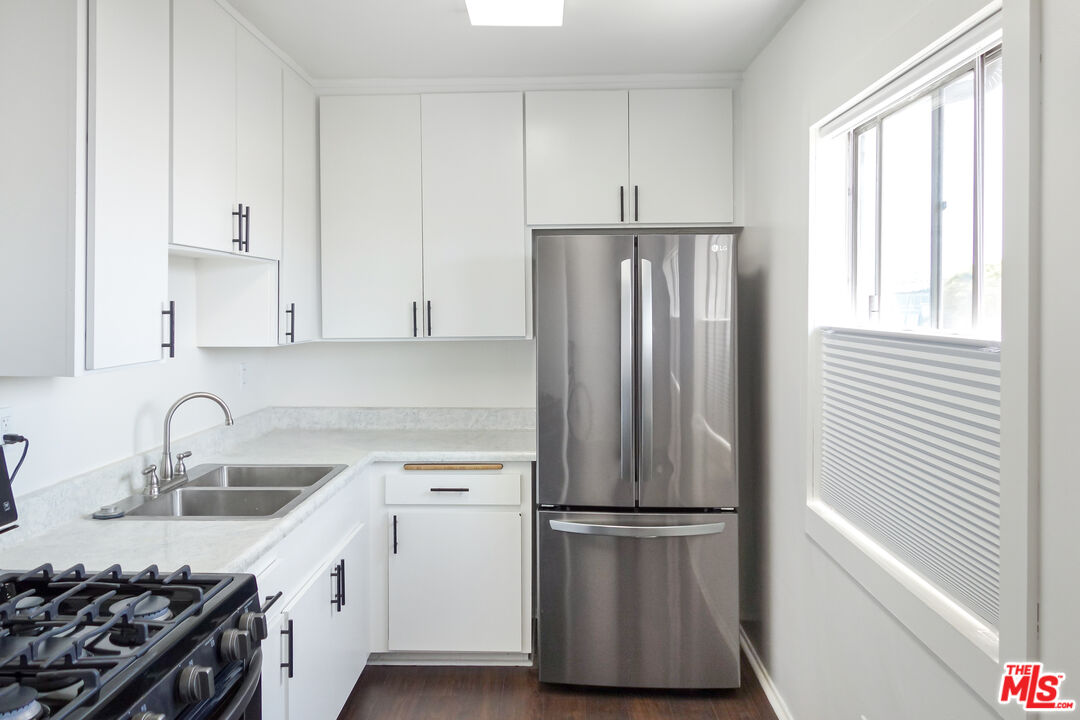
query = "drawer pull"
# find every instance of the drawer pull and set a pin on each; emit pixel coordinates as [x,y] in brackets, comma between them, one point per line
[453,466]
[449,490]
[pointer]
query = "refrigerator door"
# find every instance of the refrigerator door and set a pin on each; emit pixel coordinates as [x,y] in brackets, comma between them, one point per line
[687,456]
[639,600]
[585,372]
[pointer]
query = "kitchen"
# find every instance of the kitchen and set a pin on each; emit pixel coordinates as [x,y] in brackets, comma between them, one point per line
[334,218]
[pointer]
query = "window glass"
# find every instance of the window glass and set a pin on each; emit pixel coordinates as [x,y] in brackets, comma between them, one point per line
[990,312]
[866,220]
[905,216]
[956,115]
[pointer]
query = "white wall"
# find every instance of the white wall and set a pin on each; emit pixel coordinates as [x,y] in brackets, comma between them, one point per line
[1060,617]
[497,373]
[79,424]
[832,650]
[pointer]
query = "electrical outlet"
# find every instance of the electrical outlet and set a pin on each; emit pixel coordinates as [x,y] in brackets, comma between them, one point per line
[7,421]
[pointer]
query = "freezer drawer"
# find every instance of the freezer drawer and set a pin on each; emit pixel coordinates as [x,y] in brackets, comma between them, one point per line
[639,600]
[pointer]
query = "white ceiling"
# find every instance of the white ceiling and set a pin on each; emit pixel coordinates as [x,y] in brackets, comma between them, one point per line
[367,39]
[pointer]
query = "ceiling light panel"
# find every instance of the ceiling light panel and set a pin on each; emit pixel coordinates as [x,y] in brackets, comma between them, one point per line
[516,13]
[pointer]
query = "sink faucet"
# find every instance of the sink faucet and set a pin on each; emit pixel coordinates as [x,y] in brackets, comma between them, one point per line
[167,472]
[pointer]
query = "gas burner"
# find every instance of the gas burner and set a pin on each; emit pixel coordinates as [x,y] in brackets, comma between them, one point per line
[24,606]
[18,702]
[154,607]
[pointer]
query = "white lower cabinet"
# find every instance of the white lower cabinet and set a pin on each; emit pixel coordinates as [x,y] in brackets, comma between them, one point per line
[455,581]
[451,561]
[318,630]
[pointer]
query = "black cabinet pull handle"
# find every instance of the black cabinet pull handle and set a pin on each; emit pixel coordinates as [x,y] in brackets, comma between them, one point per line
[415,327]
[291,332]
[171,314]
[429,318]
[247,229]
[341,577]
[289,663]
[238,241]
[395,534]
[448,490]
[336,601]
[622,204]
[636,205]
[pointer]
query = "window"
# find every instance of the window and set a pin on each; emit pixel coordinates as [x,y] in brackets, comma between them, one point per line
[925,189]
[904,485]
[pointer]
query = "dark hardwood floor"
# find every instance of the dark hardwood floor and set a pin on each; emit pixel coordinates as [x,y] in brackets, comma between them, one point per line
[502,693]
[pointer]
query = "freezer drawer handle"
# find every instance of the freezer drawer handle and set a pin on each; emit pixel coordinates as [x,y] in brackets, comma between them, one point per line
[638,531]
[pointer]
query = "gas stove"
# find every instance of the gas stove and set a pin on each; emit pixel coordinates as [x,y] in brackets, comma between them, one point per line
[76,645]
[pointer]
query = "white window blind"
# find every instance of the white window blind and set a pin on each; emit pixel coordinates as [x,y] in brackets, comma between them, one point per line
[907,450]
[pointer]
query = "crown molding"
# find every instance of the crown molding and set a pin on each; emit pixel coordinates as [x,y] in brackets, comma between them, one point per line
[382,86]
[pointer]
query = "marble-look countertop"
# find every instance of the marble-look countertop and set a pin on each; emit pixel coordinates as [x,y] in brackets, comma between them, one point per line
[238,545]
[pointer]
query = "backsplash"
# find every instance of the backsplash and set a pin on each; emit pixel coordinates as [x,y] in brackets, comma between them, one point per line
[57,504]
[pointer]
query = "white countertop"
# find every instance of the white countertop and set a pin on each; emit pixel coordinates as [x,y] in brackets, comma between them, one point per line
[237,545]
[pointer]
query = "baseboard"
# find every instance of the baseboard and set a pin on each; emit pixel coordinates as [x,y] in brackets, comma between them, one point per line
[778,705]
[452,659]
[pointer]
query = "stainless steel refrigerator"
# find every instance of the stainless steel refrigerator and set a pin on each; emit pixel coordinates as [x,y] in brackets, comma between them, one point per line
[637,472]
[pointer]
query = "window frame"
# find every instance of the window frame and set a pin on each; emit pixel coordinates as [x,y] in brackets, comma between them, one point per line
[933,90]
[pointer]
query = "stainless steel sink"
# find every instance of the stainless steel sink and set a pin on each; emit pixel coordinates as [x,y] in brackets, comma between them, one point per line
[263,476]
[230,492]
[211,503]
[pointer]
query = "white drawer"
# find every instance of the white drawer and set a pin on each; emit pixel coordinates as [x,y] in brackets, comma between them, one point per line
[453,488]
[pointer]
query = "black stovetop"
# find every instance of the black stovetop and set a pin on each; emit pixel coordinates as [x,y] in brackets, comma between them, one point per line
[72,641]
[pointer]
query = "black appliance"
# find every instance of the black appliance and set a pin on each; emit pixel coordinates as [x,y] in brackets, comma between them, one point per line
[76,645]
[8,513]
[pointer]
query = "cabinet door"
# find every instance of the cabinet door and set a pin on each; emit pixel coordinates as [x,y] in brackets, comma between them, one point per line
[204,125]
[315,648]
[681,156]
[351,626]
[128,188]
[372,239]
[474,214]
[258,143]
[576,146]
[300,251]
[455,581]
[274,677]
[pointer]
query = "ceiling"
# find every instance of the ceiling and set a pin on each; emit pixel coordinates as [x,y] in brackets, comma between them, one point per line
[393,39]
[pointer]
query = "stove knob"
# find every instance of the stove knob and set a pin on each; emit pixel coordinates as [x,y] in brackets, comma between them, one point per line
[148,716]
[235,645]
[255,624]
[196,683]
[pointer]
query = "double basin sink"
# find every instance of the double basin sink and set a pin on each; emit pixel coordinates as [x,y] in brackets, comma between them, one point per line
[236,492]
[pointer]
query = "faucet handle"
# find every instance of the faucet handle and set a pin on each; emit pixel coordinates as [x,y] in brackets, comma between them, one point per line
[180,469]
[150,473]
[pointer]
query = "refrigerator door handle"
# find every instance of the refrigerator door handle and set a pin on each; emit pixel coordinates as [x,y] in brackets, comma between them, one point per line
[626,372]
[645,468]
[637,531]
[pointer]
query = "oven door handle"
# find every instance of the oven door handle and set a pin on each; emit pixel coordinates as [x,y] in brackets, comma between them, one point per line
[238,706]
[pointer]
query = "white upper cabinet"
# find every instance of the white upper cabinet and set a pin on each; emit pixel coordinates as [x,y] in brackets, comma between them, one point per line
[648,156]
[474,214]
[128,184]
[227,134]
[84,197]
[204,126]
[681,156]
[259,144]
[300,319]
[577,145]
[372,235]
